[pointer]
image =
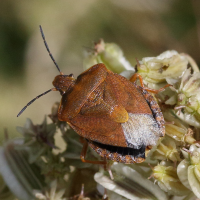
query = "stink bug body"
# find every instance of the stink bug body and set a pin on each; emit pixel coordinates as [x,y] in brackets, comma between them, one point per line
[117,118]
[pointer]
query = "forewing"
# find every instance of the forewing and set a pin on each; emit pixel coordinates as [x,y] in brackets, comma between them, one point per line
[87,108]
[119,91]
[93,121]
[86,83]
[100,129]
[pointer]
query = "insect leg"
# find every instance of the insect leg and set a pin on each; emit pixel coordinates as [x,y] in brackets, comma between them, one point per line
[134,78]
[83,154]
[157,91]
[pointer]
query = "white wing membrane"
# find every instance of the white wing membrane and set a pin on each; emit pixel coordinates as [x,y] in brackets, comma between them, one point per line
[141,129]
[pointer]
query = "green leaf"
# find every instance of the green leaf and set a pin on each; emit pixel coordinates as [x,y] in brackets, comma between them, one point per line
[130,184]
[21,177]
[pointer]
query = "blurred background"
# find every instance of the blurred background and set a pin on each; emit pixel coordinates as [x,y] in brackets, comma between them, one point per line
[141,28]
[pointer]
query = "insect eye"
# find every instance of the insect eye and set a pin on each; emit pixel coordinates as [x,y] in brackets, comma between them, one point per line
[71,75]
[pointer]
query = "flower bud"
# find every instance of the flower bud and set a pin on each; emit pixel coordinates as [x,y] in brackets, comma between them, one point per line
[168,180]
[169,64]
[110,54]
[188,101]
[166,150]
[189,169]
[178,130]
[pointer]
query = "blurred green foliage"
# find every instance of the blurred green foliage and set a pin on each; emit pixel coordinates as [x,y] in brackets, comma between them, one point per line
[13,40]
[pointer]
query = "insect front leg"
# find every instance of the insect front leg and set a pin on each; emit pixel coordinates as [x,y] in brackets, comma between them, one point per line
[134,78]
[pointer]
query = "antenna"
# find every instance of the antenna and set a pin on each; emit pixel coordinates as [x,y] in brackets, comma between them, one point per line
[29,103]
[53,89]
[46,45]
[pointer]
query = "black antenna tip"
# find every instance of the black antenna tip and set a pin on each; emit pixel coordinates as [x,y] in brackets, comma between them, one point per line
[40,28]
[30,102]
[48,50]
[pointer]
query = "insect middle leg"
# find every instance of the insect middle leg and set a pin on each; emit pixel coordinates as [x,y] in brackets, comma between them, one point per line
[83,154]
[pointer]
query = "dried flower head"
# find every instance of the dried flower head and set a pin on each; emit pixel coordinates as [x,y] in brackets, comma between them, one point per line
[38,138]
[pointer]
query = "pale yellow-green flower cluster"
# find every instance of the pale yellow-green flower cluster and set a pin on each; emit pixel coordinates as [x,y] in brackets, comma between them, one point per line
[166,150]
[178,130]
[180,104]
[166,176]
[187,105]
[35,166]
[189,169]
[168,65]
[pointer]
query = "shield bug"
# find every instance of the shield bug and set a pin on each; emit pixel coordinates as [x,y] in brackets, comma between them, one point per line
[117,118]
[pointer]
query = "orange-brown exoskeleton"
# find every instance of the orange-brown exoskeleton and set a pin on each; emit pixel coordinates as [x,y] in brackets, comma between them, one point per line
[117,118]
